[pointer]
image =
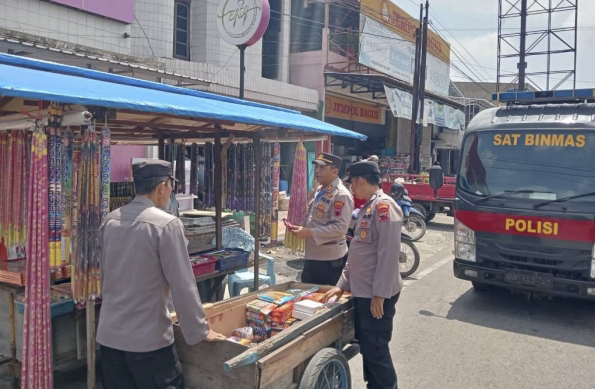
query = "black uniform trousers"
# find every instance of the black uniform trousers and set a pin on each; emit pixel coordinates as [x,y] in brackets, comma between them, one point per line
[374,336]
[323,272]
[159,369]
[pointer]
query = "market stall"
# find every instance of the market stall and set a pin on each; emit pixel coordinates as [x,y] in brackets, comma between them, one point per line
[49,239]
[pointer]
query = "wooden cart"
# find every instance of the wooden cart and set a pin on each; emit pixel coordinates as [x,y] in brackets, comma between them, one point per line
[313,353]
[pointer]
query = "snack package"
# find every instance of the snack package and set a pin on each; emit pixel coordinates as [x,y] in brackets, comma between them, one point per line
[244,333]
[318,297]
[260,307]
[235,339]
[260,331]
[275,297]
[282,313]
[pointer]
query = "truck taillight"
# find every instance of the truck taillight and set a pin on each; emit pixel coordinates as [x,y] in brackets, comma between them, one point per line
[465,248]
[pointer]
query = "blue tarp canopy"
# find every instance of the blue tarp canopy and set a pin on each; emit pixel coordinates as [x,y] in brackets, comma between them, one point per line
[35,79]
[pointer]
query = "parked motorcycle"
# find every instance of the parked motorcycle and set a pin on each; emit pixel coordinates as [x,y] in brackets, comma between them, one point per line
[413,221]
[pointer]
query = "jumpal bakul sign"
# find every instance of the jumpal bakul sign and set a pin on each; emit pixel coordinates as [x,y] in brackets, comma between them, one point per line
[243,22]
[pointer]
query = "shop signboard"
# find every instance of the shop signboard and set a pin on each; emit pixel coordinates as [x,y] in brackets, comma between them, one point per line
[121,10]
[243,22]
[387,44]
[401,105]
[339,108]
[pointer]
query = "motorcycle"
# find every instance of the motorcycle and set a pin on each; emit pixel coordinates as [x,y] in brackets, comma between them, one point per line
[408,257]
[413,221]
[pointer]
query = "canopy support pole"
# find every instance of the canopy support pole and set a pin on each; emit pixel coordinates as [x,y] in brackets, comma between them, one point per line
[257,179]
[218,190]
[161,147]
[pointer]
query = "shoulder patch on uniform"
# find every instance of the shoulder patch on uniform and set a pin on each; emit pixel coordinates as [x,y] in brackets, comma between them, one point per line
[383,211]
[339,208]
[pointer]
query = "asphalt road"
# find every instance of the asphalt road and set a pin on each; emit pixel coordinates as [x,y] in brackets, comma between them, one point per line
[448,336]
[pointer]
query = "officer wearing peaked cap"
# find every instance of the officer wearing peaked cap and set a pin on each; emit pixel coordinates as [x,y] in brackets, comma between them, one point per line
[144,261]
[372,273]
[326,225]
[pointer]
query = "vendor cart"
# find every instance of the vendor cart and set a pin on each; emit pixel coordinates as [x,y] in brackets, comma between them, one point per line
[313,353]
[423,196]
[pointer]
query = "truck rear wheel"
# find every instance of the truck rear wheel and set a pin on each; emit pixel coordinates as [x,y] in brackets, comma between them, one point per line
[430,216]
[421,209]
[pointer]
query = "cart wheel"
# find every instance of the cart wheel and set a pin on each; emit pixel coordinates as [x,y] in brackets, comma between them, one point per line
[328,369]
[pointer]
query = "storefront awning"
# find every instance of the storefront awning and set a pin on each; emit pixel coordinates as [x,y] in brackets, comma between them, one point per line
[34,79]
[373,84]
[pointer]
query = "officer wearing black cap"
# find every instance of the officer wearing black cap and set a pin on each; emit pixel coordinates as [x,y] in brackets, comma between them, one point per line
[372,273]
[144,262]
[326,224]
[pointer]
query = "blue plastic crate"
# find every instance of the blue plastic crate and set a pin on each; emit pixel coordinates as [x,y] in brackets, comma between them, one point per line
[58,309]
[240,259]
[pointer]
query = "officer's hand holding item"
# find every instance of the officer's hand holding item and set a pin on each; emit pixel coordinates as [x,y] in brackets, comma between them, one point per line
[372,273]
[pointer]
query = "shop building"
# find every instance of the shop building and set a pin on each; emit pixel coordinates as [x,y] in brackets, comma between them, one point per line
[169,41]
[362,55]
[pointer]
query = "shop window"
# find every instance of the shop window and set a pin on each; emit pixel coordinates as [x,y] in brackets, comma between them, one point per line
[182,29]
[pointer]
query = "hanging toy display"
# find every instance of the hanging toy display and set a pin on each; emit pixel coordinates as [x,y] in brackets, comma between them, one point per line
[85,274]
[14,155]
[67,197]
[37,324]
[54,134]
[299,198]
[275,191]
[194,169]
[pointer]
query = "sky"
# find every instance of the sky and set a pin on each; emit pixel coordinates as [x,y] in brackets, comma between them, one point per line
[472,25]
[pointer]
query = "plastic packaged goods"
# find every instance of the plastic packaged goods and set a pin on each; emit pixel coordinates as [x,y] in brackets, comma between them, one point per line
[300,294]
[318,297]
[308,306]
[260,307]
[244,333]
[274,297]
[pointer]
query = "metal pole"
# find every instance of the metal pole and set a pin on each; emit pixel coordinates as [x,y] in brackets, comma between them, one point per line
[575,43]
[522,64]
[242,69]
[218,189]
[257,178]
[415,107]
[422,88]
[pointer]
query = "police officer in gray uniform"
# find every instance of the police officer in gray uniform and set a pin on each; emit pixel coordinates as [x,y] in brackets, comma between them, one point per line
[326,224]
[372,273]
[145,262]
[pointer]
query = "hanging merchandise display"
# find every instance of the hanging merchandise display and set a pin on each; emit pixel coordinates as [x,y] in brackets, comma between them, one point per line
[121,193]
[298,198]
[209,194]
[14,155]
[194,169]
[85,274]
[180,156]
[275,191]
[265,191]
[105,170]
[37,328]
[54,134]
[67,155]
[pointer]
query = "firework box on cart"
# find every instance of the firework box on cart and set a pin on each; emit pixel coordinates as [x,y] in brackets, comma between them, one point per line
[277,357]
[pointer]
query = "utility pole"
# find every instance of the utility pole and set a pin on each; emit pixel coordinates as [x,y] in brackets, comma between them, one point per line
[415,108]
[422,88]
[522,65]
